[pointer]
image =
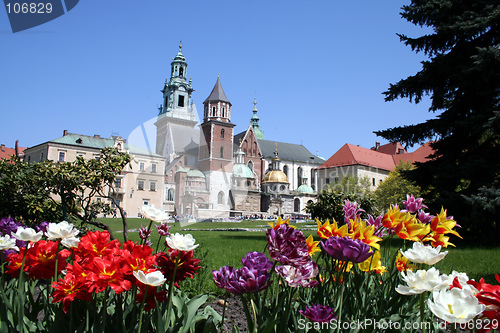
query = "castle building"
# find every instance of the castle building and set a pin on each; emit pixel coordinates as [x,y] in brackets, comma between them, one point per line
[373,164]
[211,172]
[140,183]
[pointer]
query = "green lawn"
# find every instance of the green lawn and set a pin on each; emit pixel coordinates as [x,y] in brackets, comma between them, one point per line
[220,248]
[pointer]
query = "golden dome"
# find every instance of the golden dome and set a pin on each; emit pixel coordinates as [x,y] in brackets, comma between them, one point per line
[275,176]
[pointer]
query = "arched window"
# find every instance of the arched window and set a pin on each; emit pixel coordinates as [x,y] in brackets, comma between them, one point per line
[221,152]
[223,112]
[285,170]
[181,71]
[222,133]
[313,179]
[220,198]
[213,111]
[170,195]
[299,176]
[296,205]
[250,165]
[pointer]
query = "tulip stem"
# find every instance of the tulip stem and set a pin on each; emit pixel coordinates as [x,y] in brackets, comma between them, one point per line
[250,322]
[170,290]
[422,311]
[223,312]
[141,309]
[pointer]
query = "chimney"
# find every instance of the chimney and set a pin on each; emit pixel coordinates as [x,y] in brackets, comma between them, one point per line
[401,151]
[377,145]
[16,148]
[2,147]
[97,136]
[65,132]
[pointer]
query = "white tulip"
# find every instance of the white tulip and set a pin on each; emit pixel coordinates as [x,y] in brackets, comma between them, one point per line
[28,235]
[181,242]
[154,279]
[455,305]
[421,281]
[8,243]
[70,242]
[61,230]
[424,254]
[154,214]
[462,278]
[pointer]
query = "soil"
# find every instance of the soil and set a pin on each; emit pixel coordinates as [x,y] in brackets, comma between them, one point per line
[234,315]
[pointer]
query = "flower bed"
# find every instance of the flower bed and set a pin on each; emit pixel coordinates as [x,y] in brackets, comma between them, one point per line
[350,280]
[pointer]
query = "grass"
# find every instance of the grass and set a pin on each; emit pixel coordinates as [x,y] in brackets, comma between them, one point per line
[221,248]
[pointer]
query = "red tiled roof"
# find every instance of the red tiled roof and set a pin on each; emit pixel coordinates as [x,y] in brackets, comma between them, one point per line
[6,152]
[419,155]
[386,160]
[390,148]
[353,155]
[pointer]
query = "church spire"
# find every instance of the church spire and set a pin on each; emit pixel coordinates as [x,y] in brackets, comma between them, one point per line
[254,121]
[217,106]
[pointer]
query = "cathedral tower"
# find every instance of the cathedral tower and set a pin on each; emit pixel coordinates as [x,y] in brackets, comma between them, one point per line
[216,146]
[177,108]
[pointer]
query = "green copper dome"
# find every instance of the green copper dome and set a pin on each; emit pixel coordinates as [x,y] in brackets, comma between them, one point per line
[195,173]
[305,189]
[242,171]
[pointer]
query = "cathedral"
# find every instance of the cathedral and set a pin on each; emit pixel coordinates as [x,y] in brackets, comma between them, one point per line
[212,172]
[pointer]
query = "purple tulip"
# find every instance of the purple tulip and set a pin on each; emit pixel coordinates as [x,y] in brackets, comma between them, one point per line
[258,261]
[288,246]
[346,249]
[319,313]
[8,226]
[144,233]
[241,281]
[163,229]
[424,217]
[299,276]
[380,230]
[351,211]
[42,227]
[413,205]
[222,276]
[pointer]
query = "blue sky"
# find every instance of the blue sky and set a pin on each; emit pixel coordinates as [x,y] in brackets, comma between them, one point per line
[317,68]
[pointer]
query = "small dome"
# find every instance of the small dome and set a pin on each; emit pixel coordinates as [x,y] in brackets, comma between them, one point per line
[275,176]
[181,169]
[242,171]
[195,173]
[305,189]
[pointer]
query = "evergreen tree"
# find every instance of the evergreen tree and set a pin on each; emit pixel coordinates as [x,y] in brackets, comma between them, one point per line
[462,78]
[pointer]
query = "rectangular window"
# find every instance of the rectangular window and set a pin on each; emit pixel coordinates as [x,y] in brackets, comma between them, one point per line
[118,183]
[152,186]
[181,101]
[328,180]
[141,166]
[140,185]
[62,155]
[153,168]
[373,181]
